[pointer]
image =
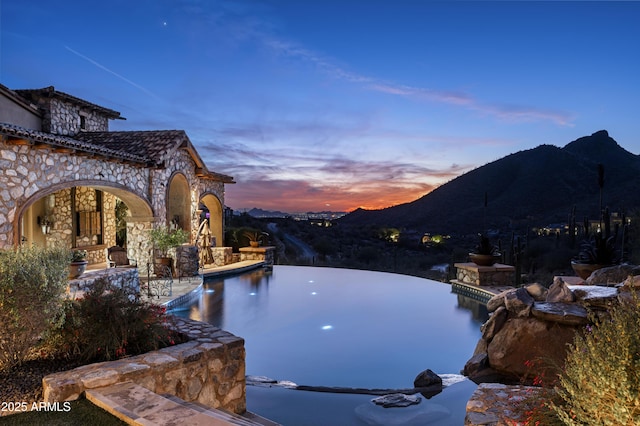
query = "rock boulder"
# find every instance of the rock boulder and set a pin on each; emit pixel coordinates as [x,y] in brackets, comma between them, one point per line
[521,328]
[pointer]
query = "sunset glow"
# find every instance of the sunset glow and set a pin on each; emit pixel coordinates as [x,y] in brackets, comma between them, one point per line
[333,105]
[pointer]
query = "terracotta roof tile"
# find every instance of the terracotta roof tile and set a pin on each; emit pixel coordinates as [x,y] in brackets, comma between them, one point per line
[150,148]
[154,145]
[60,141]
[51,92]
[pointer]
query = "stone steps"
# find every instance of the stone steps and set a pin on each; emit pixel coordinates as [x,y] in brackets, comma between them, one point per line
[136,405]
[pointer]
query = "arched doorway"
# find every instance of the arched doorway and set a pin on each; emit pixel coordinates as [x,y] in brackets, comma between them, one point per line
[82,215]
[216,221]
[179,203]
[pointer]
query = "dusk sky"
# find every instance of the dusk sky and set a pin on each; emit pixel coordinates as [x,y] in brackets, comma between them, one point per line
[337,104]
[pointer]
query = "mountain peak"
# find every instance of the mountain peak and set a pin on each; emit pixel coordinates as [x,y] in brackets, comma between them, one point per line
[539,185]
[598,148]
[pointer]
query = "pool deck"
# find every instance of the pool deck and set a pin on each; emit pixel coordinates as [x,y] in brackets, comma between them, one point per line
[186,289]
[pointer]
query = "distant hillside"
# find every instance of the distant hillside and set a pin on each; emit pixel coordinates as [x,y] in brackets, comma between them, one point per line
[260,213]
[528,188]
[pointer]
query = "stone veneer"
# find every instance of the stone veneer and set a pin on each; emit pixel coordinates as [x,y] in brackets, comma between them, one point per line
[495,275]
[187,261]
[267,254]
[27,175]
[63,118]
[119,277]
[209,369]
[223,256]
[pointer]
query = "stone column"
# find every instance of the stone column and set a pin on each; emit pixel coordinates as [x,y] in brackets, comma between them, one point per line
[139,244]
[187,261]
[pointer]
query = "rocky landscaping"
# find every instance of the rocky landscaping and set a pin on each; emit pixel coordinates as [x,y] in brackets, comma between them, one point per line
[531,329]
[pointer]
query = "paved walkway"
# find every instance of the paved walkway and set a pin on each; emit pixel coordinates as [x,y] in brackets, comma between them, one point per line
[136,405]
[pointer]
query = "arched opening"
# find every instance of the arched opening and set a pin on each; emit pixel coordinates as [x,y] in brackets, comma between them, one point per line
[179,203]
[82,215]
[216,222]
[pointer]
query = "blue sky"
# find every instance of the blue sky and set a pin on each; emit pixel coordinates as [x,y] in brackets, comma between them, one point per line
[334,104]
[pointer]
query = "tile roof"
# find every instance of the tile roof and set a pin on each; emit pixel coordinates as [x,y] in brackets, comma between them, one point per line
[150,144]
[149,148]
[154,145]
[4,90]
[51,92]
[60,141]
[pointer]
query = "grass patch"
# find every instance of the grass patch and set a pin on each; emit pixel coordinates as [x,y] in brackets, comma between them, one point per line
[82,412]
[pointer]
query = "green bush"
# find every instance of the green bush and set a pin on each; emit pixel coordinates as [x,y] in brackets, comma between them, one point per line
[110,322]
[600,384]
[32,281]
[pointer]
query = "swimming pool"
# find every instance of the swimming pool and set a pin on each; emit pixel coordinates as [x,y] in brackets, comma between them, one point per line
[344,328]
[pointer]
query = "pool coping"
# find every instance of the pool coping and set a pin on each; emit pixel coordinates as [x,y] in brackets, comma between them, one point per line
[189,294]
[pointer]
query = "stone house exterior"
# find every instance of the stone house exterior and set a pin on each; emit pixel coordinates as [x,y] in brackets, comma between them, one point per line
[62,174]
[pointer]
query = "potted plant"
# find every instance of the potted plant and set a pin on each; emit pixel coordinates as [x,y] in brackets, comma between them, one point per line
[485,252]
[78,263]
[596,251]
[254,237]
[164,239]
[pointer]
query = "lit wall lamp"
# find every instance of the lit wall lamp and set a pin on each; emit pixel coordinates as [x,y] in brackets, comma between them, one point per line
[175,223]
[45,223]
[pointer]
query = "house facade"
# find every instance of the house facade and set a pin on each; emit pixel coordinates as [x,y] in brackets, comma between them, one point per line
[65,179]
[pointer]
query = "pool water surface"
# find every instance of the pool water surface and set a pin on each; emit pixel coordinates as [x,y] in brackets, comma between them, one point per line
[344,328]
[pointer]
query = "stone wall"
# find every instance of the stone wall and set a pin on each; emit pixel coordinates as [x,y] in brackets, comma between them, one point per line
[209,369]
[27,175]
[267,254]
[119,277]
[495,275]
[63,118]
[187,261]
[222,256]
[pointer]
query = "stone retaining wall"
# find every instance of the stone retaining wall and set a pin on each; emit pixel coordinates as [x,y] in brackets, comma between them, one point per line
[119,277]
[209,369]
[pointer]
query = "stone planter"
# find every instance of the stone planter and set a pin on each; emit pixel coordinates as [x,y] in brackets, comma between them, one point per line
[76,269]
[483,259]
[208,369]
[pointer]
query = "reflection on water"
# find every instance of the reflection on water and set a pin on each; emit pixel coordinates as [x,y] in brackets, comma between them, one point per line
[339,327]
[478,309]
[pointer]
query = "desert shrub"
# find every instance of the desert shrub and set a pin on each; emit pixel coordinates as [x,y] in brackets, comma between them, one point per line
[32,281]
[111,322]
[601,380]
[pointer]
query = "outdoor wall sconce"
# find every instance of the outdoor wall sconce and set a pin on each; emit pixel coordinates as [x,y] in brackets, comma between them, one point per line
[45,223]
[175,223]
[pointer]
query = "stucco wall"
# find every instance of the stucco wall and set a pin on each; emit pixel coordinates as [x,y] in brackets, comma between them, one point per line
[11,112]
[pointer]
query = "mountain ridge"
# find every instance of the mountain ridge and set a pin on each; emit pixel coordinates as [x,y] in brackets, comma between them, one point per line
[536,186]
